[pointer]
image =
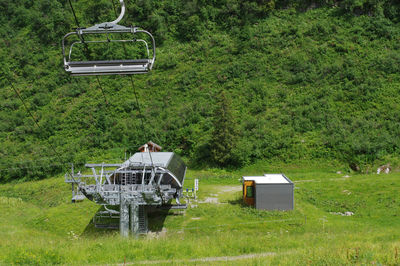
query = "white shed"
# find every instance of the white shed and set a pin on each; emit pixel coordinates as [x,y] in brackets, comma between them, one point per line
[269,192]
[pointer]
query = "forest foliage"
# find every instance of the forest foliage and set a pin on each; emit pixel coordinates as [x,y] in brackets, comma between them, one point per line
[305,79]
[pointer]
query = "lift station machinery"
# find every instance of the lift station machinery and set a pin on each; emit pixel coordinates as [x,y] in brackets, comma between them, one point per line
[147,179]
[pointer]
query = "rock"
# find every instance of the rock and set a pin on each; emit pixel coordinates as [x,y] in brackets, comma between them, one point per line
[342,214]
[346,192]
[384,168]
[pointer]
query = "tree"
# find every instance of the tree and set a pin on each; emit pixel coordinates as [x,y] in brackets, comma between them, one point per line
[224,137]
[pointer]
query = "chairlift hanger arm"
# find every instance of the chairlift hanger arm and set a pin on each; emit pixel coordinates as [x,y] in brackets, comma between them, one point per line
[121,15]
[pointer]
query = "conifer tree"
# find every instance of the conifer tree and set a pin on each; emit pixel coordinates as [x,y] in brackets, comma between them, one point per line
[224,138]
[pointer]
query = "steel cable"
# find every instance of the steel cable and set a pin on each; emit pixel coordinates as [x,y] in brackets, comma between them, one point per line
[37,124]
[102,91]
[73,12]
[133,87]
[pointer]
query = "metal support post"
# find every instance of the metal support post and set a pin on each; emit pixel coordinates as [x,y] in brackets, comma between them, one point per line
[134,219]
[73,192]
[124,218]
[196,187]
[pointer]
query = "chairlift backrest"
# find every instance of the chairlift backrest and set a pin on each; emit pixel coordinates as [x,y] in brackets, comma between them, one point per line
[127,66]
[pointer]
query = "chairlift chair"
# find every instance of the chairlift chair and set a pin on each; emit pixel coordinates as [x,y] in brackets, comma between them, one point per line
[108,67]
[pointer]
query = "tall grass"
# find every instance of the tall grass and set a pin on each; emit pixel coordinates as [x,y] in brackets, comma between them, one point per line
[40,226]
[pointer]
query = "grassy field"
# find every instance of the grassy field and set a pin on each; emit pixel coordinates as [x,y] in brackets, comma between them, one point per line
[39,225]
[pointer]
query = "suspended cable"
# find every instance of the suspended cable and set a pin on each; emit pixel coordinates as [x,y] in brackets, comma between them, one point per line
[73,12]
[77,24]
[141,116]
[37,124]
[102,91]
[133,87]
[140,112]
[62,163]
[138,107]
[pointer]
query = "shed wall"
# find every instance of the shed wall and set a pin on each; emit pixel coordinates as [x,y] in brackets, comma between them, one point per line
[274,196]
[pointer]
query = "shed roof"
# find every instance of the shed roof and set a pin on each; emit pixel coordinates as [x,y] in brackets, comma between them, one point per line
[268,179]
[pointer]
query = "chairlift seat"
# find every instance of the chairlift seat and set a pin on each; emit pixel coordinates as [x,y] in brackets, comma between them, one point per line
[108,67]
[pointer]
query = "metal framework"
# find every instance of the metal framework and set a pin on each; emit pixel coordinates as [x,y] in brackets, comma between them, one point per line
[146,179]
[128,66]
[126,190]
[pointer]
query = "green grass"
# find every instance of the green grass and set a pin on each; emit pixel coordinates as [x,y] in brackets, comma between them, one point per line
[39,225]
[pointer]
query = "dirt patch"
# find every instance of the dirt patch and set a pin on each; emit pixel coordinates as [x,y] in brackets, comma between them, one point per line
[223,190]
[340,178]
[305,181]
[208,259]
[230,189]
[209,200]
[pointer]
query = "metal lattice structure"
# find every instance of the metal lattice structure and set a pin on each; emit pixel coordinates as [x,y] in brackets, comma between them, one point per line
[146,179]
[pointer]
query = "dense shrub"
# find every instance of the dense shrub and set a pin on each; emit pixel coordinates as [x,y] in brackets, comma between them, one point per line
[306,79]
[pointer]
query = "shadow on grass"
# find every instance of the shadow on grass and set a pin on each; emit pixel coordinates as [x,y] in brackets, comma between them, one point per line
[92,231]
[239,202]
[156,219]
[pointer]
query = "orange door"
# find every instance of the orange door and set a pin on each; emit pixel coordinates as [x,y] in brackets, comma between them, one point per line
[248,192]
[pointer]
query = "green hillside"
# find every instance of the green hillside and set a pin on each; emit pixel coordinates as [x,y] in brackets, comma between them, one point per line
[303,80]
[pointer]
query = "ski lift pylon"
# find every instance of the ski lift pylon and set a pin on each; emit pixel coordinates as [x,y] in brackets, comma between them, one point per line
[108,67]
